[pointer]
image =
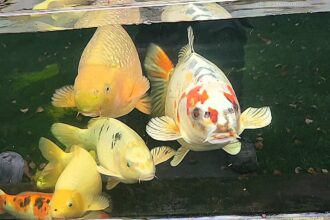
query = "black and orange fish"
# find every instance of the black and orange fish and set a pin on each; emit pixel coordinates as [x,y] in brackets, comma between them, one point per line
[26,205]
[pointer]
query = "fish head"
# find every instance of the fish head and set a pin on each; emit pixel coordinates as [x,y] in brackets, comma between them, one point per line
[67,204]
[139,163]
[94,90]
[209,113]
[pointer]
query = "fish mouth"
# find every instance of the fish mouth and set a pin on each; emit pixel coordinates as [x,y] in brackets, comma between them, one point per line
[222,138]
[90,112]
[147,178]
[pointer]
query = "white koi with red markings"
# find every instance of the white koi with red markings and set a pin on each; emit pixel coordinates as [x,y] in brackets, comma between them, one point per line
[196,104]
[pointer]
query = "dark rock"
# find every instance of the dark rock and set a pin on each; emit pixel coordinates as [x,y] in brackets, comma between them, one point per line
[246,160]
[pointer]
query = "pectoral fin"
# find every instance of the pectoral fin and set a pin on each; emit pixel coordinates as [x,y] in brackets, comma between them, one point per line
[179,155]
[162,154]
[233,148]
[99,203]
[108,172]
[143,105]
[112,183]
[253,118]
[64,97]
[163,129]
[141,86]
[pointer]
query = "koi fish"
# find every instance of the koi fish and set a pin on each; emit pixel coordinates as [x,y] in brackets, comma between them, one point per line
[109,81]
[121,152]
[78,188]
[26,205]
[197,104]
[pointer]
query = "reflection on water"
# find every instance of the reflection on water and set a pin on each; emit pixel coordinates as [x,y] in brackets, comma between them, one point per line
[50,15]
[270,61]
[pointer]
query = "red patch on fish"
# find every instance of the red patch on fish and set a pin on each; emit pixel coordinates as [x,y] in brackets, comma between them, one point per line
[213,115]
[231,96]
[193,97]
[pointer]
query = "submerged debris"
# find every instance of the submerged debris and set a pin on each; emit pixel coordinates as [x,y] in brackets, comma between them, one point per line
[311,170]
[298,169]
[259,145]
[324,171]
[308,121]
[24,110]
[32,165]
[277,172]
[39,109]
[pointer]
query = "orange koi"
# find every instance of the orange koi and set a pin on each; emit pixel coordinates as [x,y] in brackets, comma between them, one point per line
[26,205]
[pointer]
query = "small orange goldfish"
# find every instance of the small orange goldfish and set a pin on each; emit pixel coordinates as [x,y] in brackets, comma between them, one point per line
[26,205]
[109,81]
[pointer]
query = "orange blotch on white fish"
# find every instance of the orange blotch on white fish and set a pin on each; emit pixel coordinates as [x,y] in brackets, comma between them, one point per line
[231,96]
[213,114]
[194,96]
[189,77]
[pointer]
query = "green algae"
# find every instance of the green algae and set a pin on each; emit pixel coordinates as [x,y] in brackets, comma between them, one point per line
[23,80]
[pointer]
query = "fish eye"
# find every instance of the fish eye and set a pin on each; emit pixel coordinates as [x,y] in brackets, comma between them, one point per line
[236,107]
[128,165]
[196,113]
[70,204]
[207,114]
[230,110]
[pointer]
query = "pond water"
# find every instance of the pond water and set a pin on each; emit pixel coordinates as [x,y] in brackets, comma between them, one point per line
[277,61]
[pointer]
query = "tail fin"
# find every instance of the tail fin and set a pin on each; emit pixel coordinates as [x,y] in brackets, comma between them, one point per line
[51,151]
[159,68]
[67,134]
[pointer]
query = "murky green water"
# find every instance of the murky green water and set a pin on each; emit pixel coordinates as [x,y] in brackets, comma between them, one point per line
[279,61]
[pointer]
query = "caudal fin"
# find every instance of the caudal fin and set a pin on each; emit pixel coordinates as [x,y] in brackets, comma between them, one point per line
[159,68]
[67,134]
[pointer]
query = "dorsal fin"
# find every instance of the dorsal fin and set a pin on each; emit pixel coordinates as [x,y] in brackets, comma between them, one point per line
[189,48]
